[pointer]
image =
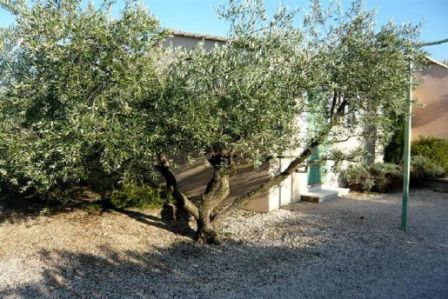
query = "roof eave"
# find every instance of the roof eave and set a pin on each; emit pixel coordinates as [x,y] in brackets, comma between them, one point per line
[199,36]
[436,62]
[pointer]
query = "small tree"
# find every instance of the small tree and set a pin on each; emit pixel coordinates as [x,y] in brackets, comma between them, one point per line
[76,89]
[242,100]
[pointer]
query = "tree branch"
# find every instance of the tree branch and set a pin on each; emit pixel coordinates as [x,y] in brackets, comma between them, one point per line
[182,201]
[333,103]
[292,167]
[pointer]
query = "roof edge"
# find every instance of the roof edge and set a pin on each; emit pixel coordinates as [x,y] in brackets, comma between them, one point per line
[436,62]
[225,39]
[199,36]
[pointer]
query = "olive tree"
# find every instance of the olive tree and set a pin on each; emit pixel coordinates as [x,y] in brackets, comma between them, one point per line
[86,96]
[76,89]
[242,101]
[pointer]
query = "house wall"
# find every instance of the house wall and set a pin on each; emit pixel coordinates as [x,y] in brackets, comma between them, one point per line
[190,41]
[333,179]
[431,120]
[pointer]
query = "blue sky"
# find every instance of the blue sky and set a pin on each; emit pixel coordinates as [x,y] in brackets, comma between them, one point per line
[199,16]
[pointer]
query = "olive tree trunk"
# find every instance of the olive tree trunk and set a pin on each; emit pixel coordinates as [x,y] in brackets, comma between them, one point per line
[218,190]
[183,205]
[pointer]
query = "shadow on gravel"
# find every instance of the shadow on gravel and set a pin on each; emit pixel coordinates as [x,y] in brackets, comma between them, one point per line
[185,270]
[238,270]
[335,254]
[176,227]
[17,209]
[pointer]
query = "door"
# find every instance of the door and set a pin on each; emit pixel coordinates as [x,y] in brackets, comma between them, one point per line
[315,172]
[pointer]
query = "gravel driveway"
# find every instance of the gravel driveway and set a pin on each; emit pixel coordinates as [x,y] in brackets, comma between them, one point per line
[346,248]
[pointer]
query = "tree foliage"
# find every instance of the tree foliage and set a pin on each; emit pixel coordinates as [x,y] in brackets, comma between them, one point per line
[75,90]
[242,96]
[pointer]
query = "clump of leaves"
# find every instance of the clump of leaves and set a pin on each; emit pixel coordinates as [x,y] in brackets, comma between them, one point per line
[132,195]
[434,149]
[45,211]
[357,178]
[386,176]
[424,169]
[76,87]
[378,177]
[93,208]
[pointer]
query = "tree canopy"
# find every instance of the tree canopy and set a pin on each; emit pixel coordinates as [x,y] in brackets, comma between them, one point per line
[74,82]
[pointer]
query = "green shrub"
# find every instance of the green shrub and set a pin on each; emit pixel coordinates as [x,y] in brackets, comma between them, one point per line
[433,149]
[424,169]
[378,177]
[93,208]
[358,178]
[386,176]
[139,196]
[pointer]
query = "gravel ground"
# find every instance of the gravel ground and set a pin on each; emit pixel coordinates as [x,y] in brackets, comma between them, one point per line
[349,247]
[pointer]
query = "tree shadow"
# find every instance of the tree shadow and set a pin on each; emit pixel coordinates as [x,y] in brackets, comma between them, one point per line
[17,210]
[234,270]
[18,207]
[184,270]
[328,259]
[14,210]
[175,226]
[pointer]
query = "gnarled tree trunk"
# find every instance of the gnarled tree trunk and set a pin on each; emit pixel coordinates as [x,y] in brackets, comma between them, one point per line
[218,190]
[336,112]
[183,204]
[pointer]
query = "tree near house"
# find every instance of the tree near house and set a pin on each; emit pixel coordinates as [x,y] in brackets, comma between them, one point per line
[76,88]
[242,101]
[235,103]
[85,96]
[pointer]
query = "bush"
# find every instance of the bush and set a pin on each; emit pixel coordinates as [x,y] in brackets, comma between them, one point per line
[386,176]
[379,177]
[93,208]
[424,169]
[433,149]
[358,178]
[139,196]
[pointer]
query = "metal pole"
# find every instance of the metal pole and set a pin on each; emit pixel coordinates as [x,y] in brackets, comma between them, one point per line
[407,153]
[407,140]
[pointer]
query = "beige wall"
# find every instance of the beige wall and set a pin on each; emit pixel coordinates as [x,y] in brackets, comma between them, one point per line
[432,94]
[189,41]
